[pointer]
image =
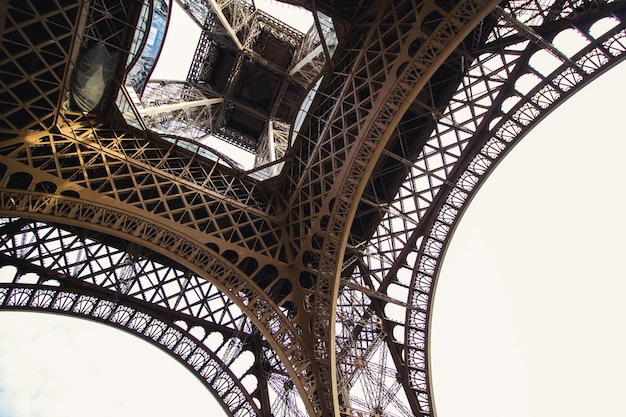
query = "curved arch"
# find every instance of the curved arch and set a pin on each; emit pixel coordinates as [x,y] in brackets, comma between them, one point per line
[360,119]
[496,144]
[130,273]
[257,304]
[212,222]
[474,167]
[54,295]
[557,187]
[399,263]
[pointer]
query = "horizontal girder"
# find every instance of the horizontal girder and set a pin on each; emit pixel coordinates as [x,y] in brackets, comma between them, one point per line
[113,166]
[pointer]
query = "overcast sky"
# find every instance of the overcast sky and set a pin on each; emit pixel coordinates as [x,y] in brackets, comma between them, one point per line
[528,311]
[57,366]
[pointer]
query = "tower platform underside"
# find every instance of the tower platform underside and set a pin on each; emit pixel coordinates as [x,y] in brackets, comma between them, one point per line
[287,286]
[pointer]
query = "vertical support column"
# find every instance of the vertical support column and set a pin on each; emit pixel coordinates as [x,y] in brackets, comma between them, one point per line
[270,141]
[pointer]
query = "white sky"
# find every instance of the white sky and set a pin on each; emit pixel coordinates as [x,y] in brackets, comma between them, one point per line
[528,310]
[58,366]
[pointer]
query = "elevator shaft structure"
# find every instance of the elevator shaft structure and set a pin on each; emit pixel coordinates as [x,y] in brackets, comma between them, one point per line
[301,284]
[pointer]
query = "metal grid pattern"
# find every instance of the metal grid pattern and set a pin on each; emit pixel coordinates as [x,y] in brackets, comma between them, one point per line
[249,72]
[34,69]
[158,178]
[122,278]
[324,274]
[41,46]
[71,271]
[507,90]
[361,103]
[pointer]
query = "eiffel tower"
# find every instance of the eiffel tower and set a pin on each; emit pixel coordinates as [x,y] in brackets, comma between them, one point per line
[300,284]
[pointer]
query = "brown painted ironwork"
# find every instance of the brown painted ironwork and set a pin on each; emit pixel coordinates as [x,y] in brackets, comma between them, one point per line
[304,285]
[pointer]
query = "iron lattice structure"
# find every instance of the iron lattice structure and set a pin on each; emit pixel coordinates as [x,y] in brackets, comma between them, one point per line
[306,291]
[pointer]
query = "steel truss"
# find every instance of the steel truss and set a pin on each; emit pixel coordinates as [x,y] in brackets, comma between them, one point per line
[249,74]
[319,282]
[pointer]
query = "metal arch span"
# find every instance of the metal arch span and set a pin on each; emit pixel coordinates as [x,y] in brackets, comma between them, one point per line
[192,354]
[229,279]
[77,271]
[110,179]
[505,92]
[370,91]
[601,54]
[94,171]
[50,269]
[101,162]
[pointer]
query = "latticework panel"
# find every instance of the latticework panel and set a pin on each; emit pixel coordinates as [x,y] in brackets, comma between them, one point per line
[517,77]
[172,338]
[96,162]
[42,47]
[309,59]
[327,284]
[78,272]
[361,103]
[180,109]
[59,270]
[255,69]
[38,43]
[257,286]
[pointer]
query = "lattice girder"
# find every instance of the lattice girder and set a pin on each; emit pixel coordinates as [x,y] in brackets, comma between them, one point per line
[180,109]
[95,176]
[505,92]
[490,146]
[362,102]
[48,57]
[98,162]
[212,372]
[257,304]
[36,72]
[130,277]
[54,270]
[255,70]
[56,185]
